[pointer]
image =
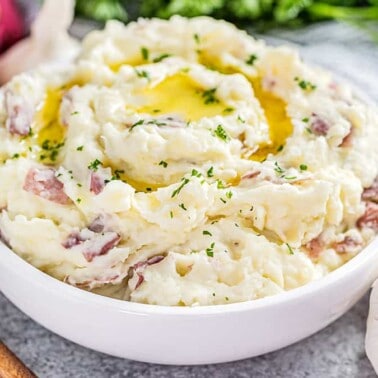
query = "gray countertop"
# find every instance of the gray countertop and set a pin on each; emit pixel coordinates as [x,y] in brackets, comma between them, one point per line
[337,351]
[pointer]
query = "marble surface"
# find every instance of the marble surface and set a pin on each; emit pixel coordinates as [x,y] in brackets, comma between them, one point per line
[337,351]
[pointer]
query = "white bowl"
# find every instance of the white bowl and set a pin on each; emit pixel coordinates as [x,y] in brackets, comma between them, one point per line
[182,335]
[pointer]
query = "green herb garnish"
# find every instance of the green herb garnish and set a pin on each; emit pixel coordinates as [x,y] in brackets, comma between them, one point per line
[164,164]
[210,250]
[178,190]
[94,165]
[251,60]
[221,133]
[145,53]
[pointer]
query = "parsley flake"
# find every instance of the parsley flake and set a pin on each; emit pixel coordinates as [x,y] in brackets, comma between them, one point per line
[94,165]
[210,250]
[278,169]
[251,59]
[178,190]
[220,184]
[195,173]
[164,164]
[303,167]
[229,194]
[145,53]
[138,123]
[205,232]
[221,133]
[305,85]
[183,206]
[210,172]
[80,148]
[209,96]
[142,74]
[161,57]
[291,252]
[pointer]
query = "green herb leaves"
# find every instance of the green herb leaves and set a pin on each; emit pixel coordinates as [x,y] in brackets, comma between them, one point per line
[178,190]
[251,59]
[209,96]
[94,165]
[221,133]
[305,85]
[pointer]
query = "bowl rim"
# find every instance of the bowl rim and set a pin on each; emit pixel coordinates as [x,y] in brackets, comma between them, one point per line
[12,261]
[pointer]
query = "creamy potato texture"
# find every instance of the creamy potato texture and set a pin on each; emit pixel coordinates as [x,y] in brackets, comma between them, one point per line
[183,162]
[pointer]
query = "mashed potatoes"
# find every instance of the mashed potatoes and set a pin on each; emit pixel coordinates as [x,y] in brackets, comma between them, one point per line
[182,162]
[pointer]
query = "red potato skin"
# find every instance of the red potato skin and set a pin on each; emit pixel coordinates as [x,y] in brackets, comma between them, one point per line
[43,183]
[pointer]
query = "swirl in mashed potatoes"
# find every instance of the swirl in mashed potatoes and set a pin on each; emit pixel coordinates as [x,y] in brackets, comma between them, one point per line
[182,162]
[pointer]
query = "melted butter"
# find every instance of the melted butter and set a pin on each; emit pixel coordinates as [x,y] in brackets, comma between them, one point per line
[280,125]
[135,61]
[47,122]
[179,94]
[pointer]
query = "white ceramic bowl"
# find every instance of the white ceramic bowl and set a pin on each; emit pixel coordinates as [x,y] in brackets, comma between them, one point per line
[181,335]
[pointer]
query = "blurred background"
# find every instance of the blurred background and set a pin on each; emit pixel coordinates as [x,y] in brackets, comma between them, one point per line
[261,16]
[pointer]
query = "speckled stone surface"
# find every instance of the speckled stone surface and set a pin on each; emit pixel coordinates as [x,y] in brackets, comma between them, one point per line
[337,351]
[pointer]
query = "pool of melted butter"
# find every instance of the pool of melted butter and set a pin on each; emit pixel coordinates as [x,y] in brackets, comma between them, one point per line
[181,95]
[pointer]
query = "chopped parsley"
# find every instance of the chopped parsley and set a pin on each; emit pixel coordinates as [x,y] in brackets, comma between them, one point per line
[78,200]
[178,190]
[291,252]
[306,119]
[148,189]
[117,174]
[210,172]
[171,214]
[164,164]
[94,165]
[161,57]
[303,167]
[145,53]
[280,148]
[278,169]
[210,250]
[74,113]
[251,59]
[205,232]
[290,177]
[228,110]
[229,194]
[226,298]
[51,149]
[142,73]
[305,85]
[80,148]
[196,38]
[240,119]
[308,130]
[183,206]
[15,156]
[223,200]
[220,184]
[209,96]
[138,123]
[195,173]
[221,133]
